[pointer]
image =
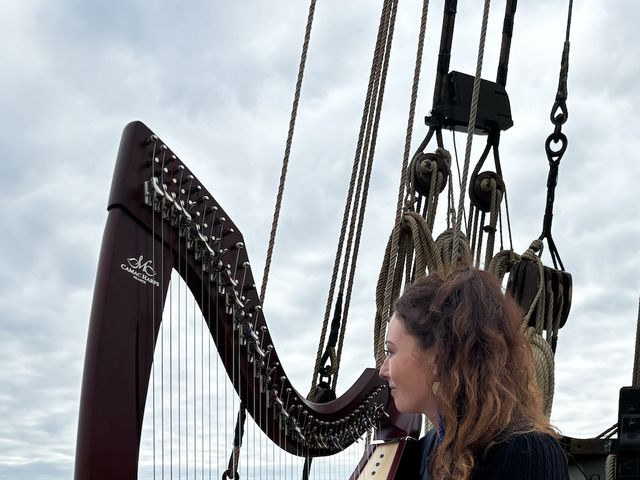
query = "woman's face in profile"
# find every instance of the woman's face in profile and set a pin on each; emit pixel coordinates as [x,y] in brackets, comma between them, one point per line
[410,371]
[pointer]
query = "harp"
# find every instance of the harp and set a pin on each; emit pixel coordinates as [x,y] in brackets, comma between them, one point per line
[161,219]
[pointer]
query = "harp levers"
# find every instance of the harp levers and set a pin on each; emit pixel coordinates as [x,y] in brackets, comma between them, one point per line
[162,220]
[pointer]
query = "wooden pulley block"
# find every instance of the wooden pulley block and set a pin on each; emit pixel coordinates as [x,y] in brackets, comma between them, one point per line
[480,189]
[423,169]
[523,283]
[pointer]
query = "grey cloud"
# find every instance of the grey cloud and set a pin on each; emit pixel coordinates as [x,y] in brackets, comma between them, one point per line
[216,82]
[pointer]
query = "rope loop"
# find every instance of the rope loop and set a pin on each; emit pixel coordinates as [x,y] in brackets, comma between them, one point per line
[559,117]
[502,262]
[226,475]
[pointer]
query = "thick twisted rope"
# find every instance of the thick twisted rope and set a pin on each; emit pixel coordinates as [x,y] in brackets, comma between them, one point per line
[502,262]
[287,149]
[374,79]
[232,471]
[415,242]
[472,125]
[543,304]
[364,195]
[496,199]
[544,366]
[403,190]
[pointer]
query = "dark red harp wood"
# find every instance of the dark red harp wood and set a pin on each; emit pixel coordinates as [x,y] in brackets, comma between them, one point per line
[161,218]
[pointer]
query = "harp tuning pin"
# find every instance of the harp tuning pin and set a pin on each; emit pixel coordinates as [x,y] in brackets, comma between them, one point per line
[164,148]
[227,231]
[203,198]
[245,265]
[238,246]
[197,188]
[152,139]
[219,220]
[148,162]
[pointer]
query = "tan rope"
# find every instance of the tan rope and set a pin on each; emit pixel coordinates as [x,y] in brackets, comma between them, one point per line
[364,195]
[281,185]
[610,467]
[496,198]
[372,102]
[472,124]
[531,255]
[415,243]
[502,262]
[386,291]
[287,150]
[352,183]
[544,366]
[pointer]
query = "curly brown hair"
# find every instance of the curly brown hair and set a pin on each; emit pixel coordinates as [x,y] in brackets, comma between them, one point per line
[487,388]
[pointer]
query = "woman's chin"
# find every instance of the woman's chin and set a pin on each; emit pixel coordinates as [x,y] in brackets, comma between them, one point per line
[400,405]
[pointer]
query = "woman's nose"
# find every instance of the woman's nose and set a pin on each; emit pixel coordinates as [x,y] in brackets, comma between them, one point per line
[384,371]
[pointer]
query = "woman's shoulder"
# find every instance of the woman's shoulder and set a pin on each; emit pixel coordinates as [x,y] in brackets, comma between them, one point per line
[531,455]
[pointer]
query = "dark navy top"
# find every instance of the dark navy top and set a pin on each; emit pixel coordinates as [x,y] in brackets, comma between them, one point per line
[526,456]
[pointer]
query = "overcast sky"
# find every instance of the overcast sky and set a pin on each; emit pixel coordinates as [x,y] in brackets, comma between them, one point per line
[215,81]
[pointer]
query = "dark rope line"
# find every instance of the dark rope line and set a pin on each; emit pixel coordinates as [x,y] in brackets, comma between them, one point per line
[374,136]
[404,188]
[287,151]
[357,166]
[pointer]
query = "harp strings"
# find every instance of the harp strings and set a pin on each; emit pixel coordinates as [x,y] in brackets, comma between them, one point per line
[191,410]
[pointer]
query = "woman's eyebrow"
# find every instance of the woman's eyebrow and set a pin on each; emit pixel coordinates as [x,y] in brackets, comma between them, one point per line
[389,342]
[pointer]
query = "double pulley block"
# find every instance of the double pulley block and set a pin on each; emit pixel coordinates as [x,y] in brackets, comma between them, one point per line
[524,282]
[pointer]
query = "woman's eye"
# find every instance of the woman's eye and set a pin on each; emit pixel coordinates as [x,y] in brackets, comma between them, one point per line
[388,353]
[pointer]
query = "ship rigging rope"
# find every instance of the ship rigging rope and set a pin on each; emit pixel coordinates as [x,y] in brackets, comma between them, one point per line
[287,150]
[232,471]
[353,216]
[403,188]
[472,123]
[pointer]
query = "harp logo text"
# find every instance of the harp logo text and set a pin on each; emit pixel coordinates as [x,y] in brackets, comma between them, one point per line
[140,270]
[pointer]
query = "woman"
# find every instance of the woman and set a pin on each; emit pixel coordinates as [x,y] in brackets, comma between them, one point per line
[456,353]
